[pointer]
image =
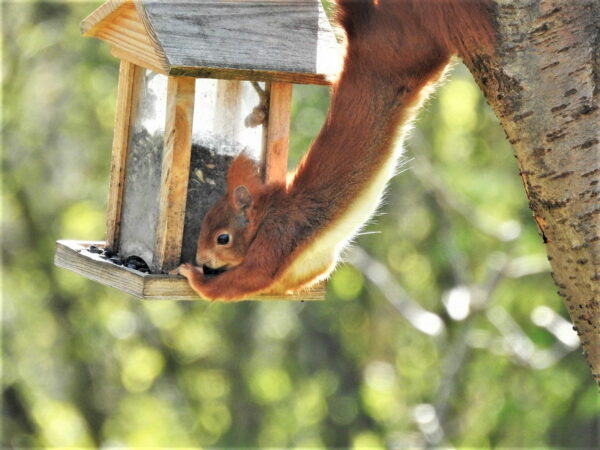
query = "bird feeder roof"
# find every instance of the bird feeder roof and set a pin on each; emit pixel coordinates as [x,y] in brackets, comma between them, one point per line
[278,40]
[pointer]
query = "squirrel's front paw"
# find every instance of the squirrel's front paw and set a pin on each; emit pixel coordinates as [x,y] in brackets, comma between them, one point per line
[186,270]
[195,277]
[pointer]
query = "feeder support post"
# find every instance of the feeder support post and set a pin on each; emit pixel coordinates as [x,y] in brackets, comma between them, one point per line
[128,73]
[175,173]
[277,131]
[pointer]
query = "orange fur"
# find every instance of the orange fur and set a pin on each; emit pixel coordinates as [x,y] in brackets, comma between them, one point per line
[243,171]
[284,238]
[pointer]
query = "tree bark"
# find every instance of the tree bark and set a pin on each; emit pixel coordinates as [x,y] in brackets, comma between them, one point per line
[543,82]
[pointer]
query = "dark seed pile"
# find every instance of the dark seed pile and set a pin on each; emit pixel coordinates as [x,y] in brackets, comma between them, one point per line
[207,184]
[131,262]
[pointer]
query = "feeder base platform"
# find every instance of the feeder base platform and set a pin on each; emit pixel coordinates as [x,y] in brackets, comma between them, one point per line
[74,256]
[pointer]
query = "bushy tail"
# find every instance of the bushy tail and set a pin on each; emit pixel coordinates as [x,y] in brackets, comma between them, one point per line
[353,15]
[459,25]
[456,26]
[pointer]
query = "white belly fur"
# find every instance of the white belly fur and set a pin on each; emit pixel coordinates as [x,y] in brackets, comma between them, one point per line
[319,259]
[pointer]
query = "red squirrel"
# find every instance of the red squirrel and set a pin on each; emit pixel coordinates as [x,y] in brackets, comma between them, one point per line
[276,237]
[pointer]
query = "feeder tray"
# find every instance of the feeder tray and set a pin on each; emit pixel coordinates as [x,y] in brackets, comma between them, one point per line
[76,256]
[199,82]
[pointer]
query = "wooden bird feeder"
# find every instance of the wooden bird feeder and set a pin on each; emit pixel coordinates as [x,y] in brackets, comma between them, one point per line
[199,81]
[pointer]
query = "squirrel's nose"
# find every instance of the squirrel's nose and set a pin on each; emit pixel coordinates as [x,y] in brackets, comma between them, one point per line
[205,259]
[200,259]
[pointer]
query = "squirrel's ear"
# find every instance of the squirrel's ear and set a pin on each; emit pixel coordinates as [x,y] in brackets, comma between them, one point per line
[243,171]
[242,198]
[243,182]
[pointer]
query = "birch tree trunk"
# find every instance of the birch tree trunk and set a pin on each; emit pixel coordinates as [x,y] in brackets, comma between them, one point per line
[543,83]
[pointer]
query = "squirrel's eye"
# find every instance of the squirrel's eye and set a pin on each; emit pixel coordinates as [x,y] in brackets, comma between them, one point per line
[223,239]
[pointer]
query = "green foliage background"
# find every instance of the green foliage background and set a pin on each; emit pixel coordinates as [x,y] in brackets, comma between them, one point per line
[381,363]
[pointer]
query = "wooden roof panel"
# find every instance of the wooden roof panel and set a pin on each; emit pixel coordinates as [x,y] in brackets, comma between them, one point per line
[119,23]
[287,40]
[284,35]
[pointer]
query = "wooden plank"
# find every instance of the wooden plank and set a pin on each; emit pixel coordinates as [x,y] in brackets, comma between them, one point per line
[126,55]
[106,11]
[157,287]
[230,45]
[73,256]
[125,94]
[134,36]
[119,23]
[175,173]
[228,107]
[278,132]
[222,73]
[271,36]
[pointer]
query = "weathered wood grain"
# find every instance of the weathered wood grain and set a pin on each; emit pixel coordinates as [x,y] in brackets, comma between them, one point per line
[125,55]
[278,132]
[278,36]
[221,73]
[106,11]
[175,173]
[73,256]
[125,92]
[120,24]
[228,121]
[260,40]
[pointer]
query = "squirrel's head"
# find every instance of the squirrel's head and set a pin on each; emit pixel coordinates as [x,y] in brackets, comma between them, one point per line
[229,227]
